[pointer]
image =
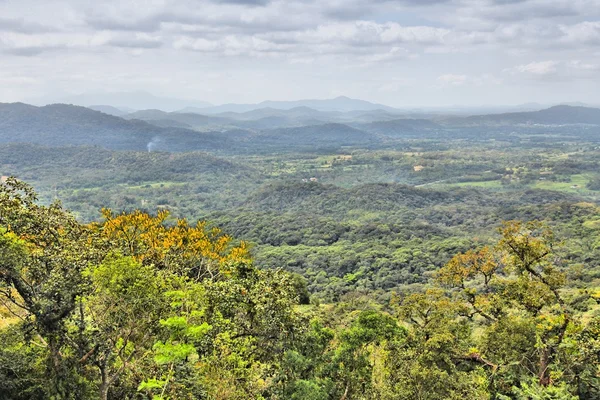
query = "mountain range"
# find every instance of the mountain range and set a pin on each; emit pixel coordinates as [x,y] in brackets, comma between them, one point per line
[118,102]
[127,101]
[341,103]
[557,115]
[299,128]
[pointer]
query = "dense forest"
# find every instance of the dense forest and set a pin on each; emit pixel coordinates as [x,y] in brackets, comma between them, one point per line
[299,254]
[133,306]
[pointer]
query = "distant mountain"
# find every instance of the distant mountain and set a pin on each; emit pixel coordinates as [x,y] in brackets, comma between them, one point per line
[134,100]
[376,115]
[341,103]
[169,123]
[61,124]
[557,115]
[296,112]
[110,110]
[269,117]
[68,125]
[317,135]
[175,119]
[260,119]
[399,127]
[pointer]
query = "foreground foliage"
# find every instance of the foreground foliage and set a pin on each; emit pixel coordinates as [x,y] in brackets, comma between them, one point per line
[134,307]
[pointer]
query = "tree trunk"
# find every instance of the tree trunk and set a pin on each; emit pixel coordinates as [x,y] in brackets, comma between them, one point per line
[58,374]
[544,373]
[104,386]
[104,391]
[345,395]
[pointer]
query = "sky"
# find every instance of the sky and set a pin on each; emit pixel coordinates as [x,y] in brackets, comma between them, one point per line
[403,53]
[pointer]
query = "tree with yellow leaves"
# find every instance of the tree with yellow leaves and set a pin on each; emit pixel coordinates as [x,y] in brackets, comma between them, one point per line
[198,252]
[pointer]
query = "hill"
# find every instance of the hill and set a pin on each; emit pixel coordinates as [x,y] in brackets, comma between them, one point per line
[138,100]
[68,125]
[340,103]
[110,110]
[400,127]
[557,115]
[62,124]
[174,119]
[331,134]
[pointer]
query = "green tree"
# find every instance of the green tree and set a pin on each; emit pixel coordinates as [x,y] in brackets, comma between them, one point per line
[43,252]
[436,361]
[121,312]
[515,288]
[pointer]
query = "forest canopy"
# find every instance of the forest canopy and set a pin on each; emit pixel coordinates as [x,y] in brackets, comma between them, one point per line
[137,306]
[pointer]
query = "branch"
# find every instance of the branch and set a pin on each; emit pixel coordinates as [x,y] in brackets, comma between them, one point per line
[88,354]
[476,357]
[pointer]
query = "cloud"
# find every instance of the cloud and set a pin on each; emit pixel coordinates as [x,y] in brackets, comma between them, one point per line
[393,55]
[145,24]
[586,32]
[541,68]
[363,34]
[27,51]
[334,26]
[571,71]
[338,43]
[232,46]
[20,25]
[526,10]
[455,80]
[244,2]
[370,42]
[511,11]
[136,42]
[26,45]
[583,66]
[452,80]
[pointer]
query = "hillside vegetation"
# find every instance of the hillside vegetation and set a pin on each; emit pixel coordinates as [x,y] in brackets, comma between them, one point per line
[299,254]
[134,307]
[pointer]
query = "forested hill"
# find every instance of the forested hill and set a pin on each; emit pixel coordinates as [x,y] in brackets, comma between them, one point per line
[61,124]
[266,130]
[314,135]
[557,115]
[401,126]
[332,200]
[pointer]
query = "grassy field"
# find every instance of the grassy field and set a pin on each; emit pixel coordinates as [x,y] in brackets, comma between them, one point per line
[577,184]
[484,184]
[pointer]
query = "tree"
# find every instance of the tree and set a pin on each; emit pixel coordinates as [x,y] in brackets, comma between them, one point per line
[43,252]
[122,312]
[361,347]
[193,251]
[437,359]
[515,288]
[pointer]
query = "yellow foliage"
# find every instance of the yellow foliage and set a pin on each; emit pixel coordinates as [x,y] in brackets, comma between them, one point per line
[466,266]
[181,246]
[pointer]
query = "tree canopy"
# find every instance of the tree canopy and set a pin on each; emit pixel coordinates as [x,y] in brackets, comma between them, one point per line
[141,306]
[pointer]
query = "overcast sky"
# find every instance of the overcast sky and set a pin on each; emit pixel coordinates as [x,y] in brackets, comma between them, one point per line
[397,52]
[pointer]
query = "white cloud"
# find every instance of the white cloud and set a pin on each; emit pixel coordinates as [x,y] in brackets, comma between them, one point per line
[583,66]
[583,33]
[452,80]
[540,68]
